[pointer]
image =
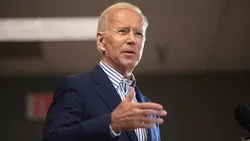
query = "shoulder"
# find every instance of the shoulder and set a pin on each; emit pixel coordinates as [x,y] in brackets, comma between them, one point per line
[74,86]
[80,81]
[78,78]
[73,82]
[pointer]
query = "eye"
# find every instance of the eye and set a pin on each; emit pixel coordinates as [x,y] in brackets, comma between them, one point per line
[123,31]
[139,33]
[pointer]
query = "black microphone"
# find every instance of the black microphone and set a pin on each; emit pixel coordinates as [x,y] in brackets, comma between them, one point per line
[242,115]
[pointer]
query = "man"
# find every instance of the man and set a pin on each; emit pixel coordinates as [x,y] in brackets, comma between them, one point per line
[105,104]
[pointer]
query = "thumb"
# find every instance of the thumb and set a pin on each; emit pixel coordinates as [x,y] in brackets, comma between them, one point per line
[131,95]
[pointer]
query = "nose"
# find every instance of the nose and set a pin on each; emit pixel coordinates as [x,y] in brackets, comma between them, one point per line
[131,38]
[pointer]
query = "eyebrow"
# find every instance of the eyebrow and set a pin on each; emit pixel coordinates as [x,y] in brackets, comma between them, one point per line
[127,27]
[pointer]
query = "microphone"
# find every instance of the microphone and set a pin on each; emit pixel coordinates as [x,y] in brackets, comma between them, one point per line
[242,115]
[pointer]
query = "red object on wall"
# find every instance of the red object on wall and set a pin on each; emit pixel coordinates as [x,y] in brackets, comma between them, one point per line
[37,105]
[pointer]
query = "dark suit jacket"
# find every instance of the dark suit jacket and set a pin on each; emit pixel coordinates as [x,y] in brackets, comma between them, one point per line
[81,110]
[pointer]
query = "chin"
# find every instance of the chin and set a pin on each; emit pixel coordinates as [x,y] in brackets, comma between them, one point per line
[130,65]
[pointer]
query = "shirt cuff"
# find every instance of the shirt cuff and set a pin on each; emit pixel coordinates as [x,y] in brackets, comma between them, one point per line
[113,133]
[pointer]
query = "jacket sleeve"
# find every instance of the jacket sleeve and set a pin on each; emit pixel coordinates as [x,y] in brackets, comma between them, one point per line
[64,120]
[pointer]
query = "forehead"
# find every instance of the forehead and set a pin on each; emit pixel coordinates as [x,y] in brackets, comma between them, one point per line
[125,17]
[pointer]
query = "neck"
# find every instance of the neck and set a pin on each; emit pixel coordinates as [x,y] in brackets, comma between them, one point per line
[124,72]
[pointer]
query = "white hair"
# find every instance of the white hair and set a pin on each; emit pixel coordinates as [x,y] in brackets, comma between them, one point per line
[103,19]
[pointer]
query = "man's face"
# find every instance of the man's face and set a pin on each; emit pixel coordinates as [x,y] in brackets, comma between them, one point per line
[123,41]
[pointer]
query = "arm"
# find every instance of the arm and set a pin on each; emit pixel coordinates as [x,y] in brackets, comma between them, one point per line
[65,120]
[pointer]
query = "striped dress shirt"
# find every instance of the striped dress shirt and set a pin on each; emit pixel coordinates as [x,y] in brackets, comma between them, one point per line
[121,84]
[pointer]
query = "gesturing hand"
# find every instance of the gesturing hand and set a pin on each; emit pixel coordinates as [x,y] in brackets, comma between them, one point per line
[129,115]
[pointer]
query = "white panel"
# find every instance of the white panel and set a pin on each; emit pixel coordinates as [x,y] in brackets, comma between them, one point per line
[48,29]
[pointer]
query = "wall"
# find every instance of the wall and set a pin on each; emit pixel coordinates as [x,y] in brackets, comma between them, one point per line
[193,35]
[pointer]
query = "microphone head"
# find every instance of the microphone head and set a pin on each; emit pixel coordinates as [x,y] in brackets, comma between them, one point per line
[242,115]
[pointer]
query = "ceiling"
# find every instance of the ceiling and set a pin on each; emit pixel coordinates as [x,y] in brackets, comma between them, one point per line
[182,37]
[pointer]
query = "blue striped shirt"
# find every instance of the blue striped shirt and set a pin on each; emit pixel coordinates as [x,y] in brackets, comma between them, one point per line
[123,90]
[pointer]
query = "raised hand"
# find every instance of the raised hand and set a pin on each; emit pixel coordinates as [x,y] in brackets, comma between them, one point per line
[130,116]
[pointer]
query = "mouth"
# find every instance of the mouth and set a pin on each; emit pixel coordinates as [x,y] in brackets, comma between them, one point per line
[129,52]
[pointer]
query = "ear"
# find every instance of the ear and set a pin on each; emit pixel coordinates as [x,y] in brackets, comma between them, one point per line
[100,41]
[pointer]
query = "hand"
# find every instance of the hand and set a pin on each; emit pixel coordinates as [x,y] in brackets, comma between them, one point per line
[130,116]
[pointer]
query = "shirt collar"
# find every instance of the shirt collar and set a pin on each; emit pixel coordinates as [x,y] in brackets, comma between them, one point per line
[114,76]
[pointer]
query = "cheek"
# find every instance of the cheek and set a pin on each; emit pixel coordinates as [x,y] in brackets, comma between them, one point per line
[117,43]
[115,51]
[111,46]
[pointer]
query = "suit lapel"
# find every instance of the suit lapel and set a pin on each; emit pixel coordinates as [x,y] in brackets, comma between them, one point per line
[108,93]
[105,88]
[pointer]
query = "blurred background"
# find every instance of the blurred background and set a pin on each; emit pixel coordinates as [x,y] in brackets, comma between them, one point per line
[196,62]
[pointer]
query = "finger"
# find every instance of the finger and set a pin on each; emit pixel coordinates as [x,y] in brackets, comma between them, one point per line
[149,120]
[147,112]
[131,95]
[149,105]
[144,125]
